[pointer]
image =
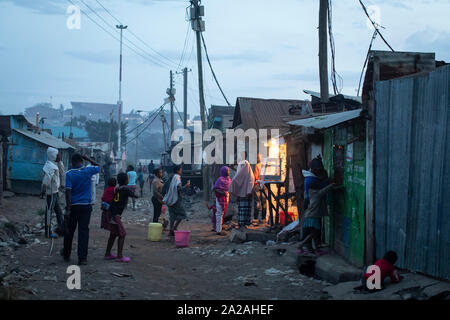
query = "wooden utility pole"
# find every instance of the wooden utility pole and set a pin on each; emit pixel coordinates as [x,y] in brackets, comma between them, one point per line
[120,103]
[171,94]
[198,26]
[323,52]
[185,88]
[185,80]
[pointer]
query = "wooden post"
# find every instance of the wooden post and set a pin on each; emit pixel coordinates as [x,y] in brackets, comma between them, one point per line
[323,52]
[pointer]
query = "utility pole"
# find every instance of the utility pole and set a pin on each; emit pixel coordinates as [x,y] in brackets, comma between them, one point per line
[198,25]
[185,88]
[110,131]
[171,94]
[323,52]
[71,124]
[136,154]
[120,103]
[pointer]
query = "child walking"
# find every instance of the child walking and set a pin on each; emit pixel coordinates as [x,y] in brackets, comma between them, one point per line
[213,210]
[222,197]
[118,205]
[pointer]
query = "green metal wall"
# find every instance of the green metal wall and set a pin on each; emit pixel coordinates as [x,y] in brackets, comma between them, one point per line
[344,228]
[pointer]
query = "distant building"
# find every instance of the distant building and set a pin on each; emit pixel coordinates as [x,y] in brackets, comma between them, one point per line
[221,117]
[95,111]
[64,132]
[45,110]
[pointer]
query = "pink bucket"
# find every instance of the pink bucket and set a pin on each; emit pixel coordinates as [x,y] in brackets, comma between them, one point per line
[182,239]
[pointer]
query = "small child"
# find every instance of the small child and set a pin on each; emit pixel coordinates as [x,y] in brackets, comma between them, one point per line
[107,199]
[213,209]
[118,205]
[387,269]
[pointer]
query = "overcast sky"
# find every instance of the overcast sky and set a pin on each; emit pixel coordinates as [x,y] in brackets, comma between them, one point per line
[259,48]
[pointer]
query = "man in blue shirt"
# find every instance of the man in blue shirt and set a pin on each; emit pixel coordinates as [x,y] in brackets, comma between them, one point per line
[78,206]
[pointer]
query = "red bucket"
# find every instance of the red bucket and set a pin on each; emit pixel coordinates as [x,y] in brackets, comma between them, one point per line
[282,217]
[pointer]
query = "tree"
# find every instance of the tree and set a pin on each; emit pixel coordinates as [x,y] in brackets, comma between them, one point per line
[77,122]
[98,131]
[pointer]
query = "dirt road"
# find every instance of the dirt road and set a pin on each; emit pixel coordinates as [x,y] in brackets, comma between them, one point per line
[211,268]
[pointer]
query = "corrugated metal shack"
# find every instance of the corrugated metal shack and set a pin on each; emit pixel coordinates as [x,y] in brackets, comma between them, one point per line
[274,114]
[340,139]
[393,159]
[411,163]
[27,153]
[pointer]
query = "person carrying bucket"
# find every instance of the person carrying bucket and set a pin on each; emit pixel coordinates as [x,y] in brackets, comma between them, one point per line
[174,201]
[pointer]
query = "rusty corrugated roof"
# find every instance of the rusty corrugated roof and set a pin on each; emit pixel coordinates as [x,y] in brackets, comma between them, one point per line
[267,113]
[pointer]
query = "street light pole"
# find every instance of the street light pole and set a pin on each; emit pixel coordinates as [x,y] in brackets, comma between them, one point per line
[119,142]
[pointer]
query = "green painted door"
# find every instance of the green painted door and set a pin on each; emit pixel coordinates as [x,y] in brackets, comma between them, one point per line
[344,159]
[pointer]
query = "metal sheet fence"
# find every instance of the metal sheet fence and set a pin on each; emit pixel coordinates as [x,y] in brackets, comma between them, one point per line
[412,178]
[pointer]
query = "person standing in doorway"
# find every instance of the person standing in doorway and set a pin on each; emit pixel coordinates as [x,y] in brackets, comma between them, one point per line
[78,206]
[132,176]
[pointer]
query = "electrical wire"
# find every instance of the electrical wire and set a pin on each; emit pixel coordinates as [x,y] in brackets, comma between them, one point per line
[151,114]
[172,63]
[375,25]
[148,125]
[333,52]
[113,36]
[375,33]
[152,58]
[186,40]
[212,70]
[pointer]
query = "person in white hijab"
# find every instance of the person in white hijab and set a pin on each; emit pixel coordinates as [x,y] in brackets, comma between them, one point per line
[51,183]
[242,187]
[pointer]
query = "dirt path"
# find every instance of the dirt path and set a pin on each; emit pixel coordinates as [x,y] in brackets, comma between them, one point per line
[211,268]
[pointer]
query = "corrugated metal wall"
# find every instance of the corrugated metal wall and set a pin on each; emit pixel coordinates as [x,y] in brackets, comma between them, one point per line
[412,179]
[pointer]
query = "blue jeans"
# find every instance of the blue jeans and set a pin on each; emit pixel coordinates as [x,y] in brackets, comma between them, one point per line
[79,215]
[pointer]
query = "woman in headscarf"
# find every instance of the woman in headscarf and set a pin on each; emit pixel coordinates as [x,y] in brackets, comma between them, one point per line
[222,197]
[242,187]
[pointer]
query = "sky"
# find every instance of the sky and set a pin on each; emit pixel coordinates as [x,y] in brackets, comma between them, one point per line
[258,48]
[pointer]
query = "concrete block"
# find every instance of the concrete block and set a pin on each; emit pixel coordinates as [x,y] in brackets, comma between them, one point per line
[335,269]
[437,291]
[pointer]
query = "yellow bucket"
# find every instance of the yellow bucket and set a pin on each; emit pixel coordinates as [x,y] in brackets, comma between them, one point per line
[155,231]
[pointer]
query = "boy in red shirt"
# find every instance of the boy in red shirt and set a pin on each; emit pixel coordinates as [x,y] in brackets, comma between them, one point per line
[387,269]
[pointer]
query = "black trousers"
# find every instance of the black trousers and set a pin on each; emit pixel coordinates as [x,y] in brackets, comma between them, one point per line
[157,206]
[259,204]
[79,215]
[53,205]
